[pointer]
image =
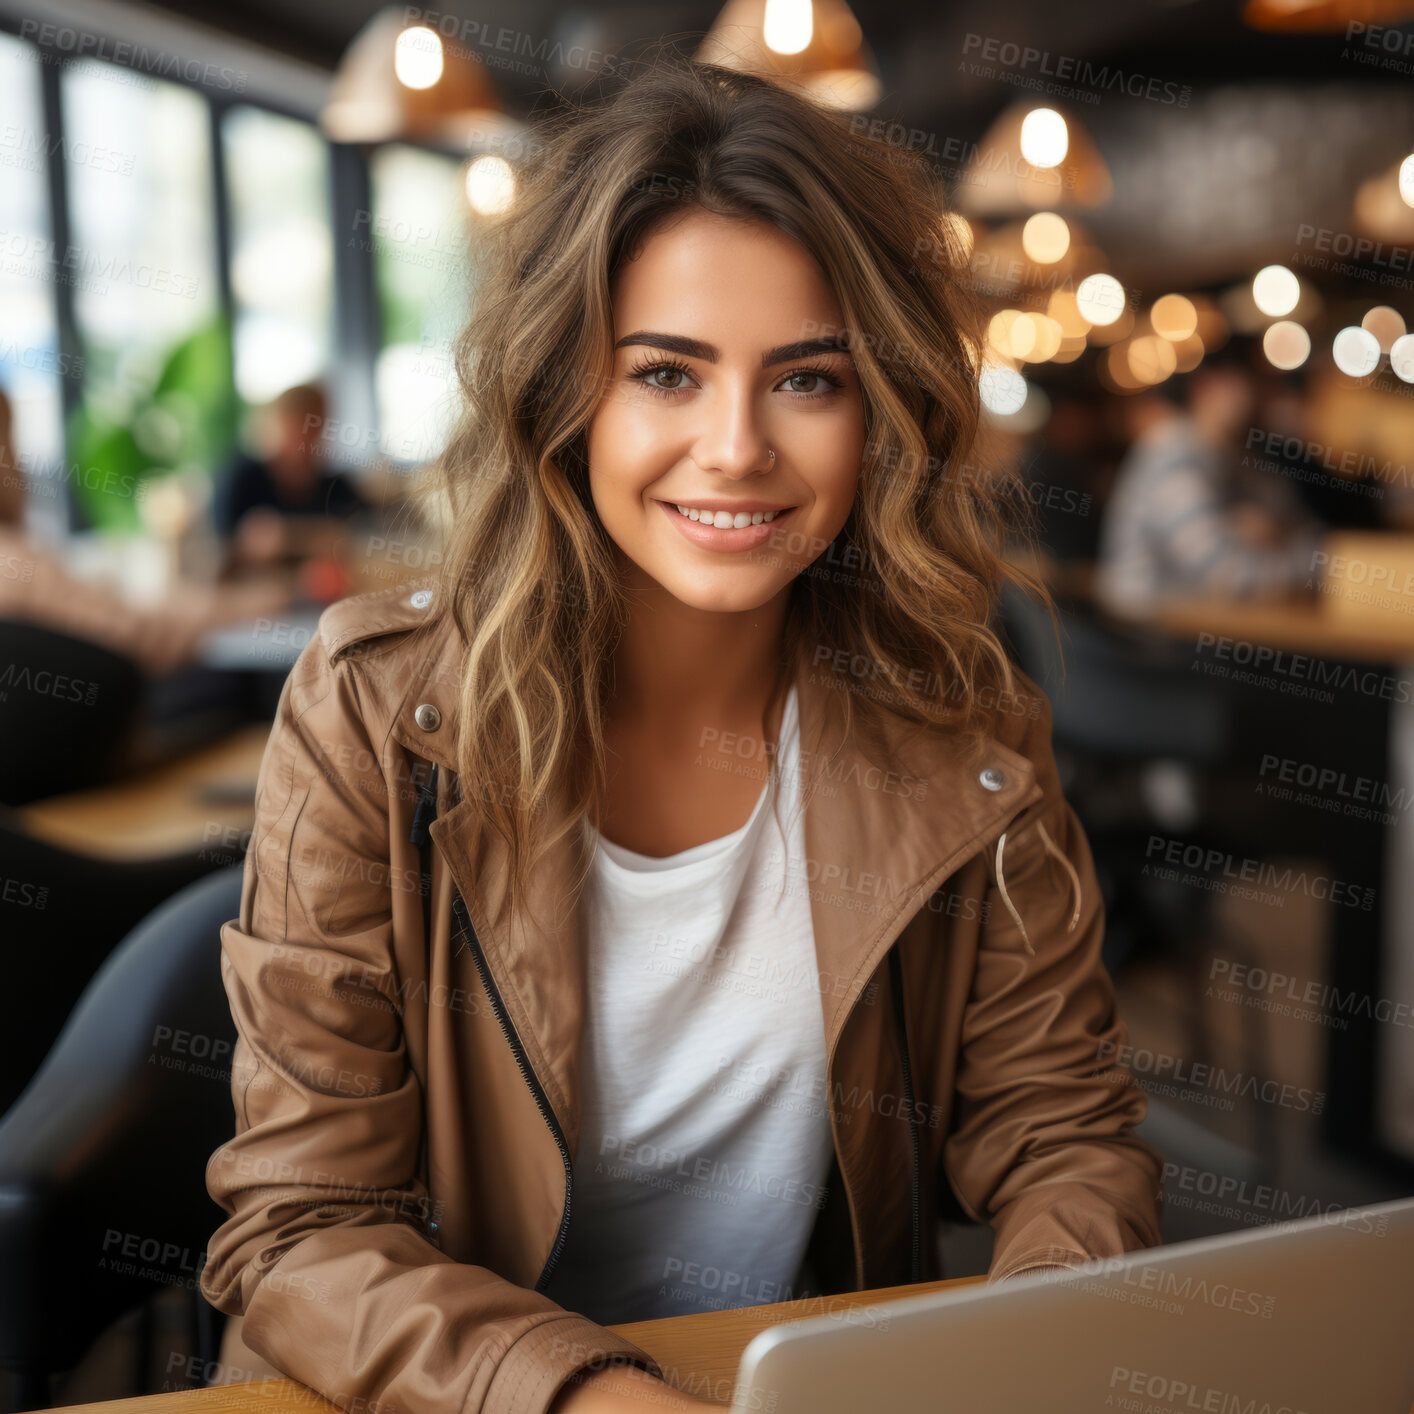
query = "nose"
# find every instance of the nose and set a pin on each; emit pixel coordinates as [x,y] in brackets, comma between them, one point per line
[732,442]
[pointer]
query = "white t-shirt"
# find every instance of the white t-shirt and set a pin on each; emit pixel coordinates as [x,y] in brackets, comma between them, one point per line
[705,1135]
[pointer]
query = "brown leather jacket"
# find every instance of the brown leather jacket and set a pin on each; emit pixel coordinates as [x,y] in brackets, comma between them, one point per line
[406,1111]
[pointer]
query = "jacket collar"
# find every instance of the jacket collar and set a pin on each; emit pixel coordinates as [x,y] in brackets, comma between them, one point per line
[884,826]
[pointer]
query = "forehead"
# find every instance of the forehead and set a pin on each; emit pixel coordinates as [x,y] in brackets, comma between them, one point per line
[731,281]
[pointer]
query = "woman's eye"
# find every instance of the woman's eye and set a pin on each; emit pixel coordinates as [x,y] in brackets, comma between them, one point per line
[672,378]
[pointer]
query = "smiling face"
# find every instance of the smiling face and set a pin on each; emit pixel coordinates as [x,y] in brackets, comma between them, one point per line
[719,360]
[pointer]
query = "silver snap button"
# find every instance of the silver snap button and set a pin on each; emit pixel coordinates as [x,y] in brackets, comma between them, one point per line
[428,717]
[992,778]
[421,599]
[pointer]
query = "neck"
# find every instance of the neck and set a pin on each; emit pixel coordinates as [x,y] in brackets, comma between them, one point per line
[678,669]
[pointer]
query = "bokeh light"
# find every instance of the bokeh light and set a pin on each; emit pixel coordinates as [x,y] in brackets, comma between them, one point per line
[1100,298]
[1386,324]
[1002,389]
[417,57]
[788,25]
[1045,139]
[1151,359]
[490,185]
[1275,290]
[1401,358]
[1356,351]
[1045,238]
[1174,317]
[1286,345]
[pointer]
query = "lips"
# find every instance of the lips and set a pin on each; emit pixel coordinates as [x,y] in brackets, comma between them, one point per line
[711,536]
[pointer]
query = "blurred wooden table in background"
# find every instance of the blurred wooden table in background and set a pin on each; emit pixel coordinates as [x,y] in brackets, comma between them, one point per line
[1298,626]
[175,807]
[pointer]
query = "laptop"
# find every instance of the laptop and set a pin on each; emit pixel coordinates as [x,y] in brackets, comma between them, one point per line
[1314,1316]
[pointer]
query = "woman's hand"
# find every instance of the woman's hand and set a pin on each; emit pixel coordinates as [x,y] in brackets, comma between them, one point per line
[623,1389]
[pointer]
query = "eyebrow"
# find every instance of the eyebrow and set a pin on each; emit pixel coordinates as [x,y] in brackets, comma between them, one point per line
[710,353]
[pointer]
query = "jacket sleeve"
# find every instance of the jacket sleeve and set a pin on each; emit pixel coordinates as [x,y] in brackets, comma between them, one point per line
[1042,1147]
[327,1251]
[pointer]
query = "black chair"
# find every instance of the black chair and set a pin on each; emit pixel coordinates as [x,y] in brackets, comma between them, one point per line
[1123,696]
[1127,701]
[61,914]
[69,711]
[1123,703]
[103,1199]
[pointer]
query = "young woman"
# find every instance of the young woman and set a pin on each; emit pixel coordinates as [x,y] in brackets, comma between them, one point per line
[672,905]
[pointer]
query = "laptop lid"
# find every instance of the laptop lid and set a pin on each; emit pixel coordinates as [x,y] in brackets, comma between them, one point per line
[1314,1316]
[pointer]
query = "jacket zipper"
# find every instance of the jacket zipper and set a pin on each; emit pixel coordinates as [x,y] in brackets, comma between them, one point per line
[531,1079]
[915,1176]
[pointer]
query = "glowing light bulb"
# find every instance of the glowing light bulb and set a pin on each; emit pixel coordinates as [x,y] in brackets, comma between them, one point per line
[1045,139]
[788,25]
[417,57]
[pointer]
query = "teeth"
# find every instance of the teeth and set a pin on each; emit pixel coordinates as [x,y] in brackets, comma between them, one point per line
[725,520]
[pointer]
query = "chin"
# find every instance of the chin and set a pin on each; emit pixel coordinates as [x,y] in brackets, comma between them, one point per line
[723,598]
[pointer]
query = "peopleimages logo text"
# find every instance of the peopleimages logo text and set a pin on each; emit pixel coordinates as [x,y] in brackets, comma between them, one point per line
[1281,877]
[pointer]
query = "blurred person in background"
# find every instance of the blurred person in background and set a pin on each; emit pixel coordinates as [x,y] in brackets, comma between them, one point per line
[36,588]
[286,503]
[1285,443]
[1187,517]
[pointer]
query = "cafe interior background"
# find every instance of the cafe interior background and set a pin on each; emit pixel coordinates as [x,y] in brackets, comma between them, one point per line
[246,234]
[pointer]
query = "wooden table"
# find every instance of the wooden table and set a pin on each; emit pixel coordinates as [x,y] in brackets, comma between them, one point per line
[166,810]
[1297,626]
[699,1354]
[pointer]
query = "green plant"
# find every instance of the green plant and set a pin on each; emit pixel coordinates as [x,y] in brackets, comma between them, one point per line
[185,418]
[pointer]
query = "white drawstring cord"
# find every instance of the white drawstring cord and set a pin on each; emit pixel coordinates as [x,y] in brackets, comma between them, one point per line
[1006,897]
[1069,869]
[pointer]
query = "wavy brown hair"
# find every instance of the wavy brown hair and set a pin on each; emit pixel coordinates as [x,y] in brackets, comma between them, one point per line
[527,566]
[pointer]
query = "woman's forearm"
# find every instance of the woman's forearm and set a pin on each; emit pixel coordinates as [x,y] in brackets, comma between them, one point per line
[622,1389]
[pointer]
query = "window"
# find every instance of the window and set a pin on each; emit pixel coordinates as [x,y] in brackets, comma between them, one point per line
[31,364]
[421,251]
[166,345]
[282,251]
[157,380]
